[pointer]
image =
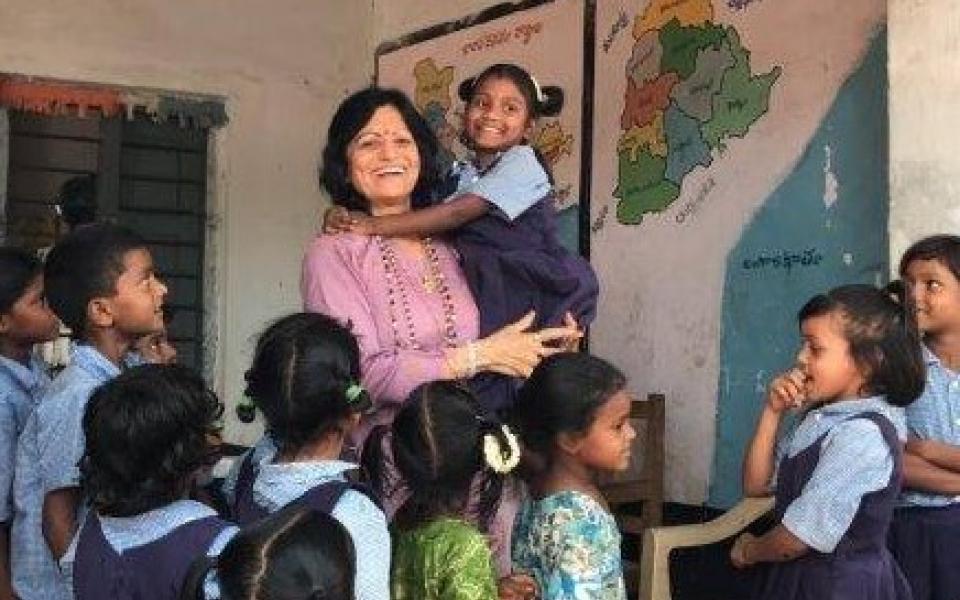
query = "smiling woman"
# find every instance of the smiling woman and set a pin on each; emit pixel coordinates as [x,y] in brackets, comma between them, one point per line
[405,298]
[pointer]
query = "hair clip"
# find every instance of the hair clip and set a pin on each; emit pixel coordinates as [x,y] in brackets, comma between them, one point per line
[354,393]
[501,460]
[536,86]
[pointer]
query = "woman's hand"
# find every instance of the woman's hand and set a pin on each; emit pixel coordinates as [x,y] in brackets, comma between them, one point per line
[571,344]
[514,350]
[517,586]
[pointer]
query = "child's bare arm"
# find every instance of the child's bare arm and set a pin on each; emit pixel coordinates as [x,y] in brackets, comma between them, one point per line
[6,589]
[425,221]
[946,456]
[777,545]
[60,518]
[785,391]
[922,475]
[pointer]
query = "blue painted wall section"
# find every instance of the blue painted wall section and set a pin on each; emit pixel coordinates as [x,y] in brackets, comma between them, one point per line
[798,245]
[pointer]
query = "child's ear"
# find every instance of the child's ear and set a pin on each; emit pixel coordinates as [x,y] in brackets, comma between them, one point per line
[4,323]
[100,312]
[570,442]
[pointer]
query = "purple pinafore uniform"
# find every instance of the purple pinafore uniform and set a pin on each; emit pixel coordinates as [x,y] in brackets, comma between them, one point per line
[860,567]
[155,570]
[323,498]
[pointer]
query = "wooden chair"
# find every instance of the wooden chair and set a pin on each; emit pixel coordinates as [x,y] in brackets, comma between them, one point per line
[658,542]
[642,484]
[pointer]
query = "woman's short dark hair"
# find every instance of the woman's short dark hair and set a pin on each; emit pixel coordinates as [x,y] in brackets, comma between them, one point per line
[303,377]
[944,248]
[438,449]
[293,554]
[562,395]
[883,337]
[18,269]
[147,433]
[351,116]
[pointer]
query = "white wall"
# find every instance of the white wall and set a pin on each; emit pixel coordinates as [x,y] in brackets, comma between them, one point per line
[395,18]
[924,120]
[281,67]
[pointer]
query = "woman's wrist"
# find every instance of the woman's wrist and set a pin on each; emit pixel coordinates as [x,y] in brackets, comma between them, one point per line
[463,362]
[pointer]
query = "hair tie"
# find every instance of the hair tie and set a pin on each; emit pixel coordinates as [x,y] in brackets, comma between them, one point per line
[354,393]
[501,460]
[246,409]
[536,86]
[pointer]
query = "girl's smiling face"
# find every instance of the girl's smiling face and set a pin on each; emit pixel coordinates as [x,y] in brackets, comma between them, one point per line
[497,116]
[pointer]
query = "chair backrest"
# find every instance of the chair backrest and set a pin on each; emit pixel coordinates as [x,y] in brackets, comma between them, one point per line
[643,482]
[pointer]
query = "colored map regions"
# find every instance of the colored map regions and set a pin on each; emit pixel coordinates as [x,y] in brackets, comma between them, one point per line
[689,88]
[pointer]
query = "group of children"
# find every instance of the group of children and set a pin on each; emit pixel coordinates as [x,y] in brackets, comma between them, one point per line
[101,465]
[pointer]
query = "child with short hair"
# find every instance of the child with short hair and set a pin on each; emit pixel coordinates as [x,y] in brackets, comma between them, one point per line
[100,281]
[925,535]
[837,475]
[444,446]
[149,434]
[295,553]
[25,321]
[305,380]
[573,417]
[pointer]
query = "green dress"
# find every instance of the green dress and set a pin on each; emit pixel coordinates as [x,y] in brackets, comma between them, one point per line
[446,559]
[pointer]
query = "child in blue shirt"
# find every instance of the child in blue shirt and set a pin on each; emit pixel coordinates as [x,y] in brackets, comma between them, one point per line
[925,535]
[836,476]
[100,281]
[149,434]
[305,380]
[25,320]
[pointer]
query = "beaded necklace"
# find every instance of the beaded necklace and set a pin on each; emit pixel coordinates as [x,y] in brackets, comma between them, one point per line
[433,282]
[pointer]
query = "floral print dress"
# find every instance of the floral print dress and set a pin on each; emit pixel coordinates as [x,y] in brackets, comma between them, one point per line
[571,546]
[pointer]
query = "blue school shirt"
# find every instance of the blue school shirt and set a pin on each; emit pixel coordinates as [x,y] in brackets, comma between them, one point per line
[48,452]
[854,461]
[514,183]
[127,533]
[935,415]
[279,484]
[20,389]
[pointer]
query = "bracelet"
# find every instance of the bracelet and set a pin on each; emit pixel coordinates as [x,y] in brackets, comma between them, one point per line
[472,359]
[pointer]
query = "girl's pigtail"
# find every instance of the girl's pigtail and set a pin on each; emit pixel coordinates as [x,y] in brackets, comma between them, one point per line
[550,102]
[465,89]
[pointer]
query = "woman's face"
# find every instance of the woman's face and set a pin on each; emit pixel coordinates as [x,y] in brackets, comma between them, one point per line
[383,163]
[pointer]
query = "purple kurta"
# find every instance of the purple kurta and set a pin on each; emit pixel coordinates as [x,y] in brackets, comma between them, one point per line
[344,277]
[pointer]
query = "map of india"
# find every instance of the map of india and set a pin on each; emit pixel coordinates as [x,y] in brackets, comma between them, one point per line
[689,89]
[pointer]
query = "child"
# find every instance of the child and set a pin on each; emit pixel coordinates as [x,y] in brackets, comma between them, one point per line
[502,210]
[294,553]
[100,281]
[573,418]
[148,436]
[440,443]
[25,320]
[304,379]
[925,535]
[838,473]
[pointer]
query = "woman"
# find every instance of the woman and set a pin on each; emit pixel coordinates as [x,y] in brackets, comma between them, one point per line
[406,298]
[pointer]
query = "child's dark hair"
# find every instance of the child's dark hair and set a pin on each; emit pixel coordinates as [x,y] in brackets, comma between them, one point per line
[77,200]
[294,554]
[944,248]
[147,433]
[883,337]
[18,269]
[437,445]
[305,378]
[562,395]
[85,265]
[546,101]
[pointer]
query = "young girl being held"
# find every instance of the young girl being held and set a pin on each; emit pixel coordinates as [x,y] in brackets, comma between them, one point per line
[501,210]
[305,380]
[25,320]
[836,477]
[573,419]
[925,535]
[147,437]
[443,446]
[293,554]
